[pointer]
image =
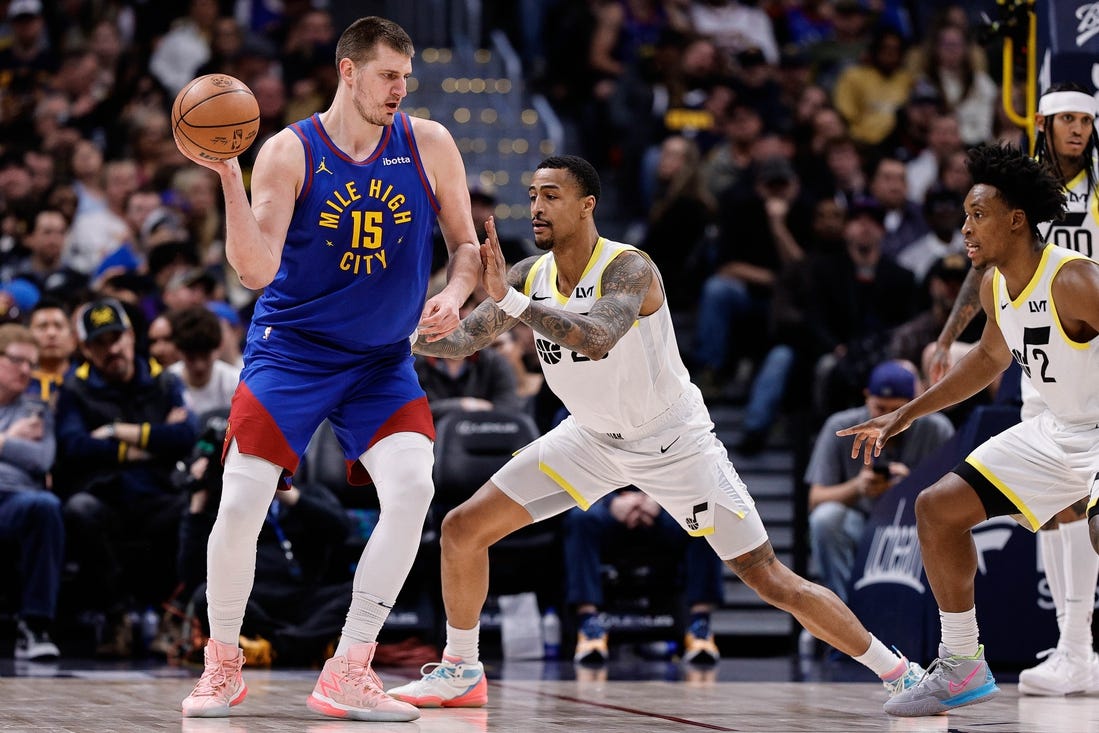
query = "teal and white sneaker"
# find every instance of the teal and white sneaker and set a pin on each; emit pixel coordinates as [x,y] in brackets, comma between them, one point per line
[913,673]
[951,682]
[446,684]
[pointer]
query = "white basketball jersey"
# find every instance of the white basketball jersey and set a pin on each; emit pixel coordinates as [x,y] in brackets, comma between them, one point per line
[1061,370]
[637,381]
[1079,230]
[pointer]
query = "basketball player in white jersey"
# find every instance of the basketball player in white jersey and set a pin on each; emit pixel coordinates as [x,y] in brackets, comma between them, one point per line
[1042,305]
[605,340]
[1067,141]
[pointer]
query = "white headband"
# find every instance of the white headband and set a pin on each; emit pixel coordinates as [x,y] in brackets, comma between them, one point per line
[1056,102]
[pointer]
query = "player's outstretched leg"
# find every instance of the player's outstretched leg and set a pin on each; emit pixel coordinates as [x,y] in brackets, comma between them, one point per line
[349,688]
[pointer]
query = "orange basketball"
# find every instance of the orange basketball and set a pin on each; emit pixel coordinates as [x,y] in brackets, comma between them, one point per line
[215,117]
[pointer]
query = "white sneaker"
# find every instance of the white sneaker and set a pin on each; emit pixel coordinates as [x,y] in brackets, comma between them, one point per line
[446,684]
[1062,673]
[1093,678]
[31,646]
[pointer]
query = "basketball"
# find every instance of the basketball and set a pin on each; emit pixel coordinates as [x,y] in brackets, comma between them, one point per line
[215,117]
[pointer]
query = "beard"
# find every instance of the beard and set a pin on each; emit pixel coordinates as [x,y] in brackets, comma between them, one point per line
[380,120]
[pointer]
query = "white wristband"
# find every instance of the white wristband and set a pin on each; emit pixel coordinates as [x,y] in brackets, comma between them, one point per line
[514,303]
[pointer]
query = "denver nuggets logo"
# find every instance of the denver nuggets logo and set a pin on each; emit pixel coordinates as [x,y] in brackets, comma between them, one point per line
[548,351]
[102,316]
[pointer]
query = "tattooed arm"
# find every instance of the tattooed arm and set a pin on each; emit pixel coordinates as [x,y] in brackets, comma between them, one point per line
[625,283]
[966,307]
[481,327]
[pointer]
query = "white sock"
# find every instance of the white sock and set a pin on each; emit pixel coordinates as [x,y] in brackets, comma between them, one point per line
[248,486]
[364,620]
[1053,560]
[461,644]
[960,634]
[879,658]
[1081,574]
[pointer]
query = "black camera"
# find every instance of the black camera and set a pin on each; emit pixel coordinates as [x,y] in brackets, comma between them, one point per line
[207,446]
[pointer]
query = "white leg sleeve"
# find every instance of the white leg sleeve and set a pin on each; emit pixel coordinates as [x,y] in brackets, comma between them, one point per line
[400,465]
[248,486]
[1081,572]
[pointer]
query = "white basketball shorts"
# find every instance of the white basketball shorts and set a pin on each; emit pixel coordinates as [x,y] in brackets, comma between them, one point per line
[1041,465]
[683,467]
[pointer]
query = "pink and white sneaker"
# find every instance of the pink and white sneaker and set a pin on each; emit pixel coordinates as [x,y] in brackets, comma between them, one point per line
[349,688]
[221,685]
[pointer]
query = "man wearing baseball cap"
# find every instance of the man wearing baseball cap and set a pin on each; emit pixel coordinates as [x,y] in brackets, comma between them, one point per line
[121,427]
[842,490]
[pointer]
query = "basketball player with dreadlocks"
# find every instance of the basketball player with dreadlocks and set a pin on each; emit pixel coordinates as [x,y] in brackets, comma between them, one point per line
[1066,141]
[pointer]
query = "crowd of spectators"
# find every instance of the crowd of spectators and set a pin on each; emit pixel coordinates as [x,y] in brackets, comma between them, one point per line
[795,169]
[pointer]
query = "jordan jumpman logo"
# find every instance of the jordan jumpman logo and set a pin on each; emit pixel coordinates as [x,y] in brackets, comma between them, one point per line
[322,168]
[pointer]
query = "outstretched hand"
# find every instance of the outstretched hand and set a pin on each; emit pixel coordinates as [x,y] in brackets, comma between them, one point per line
[871,436]
[495,272]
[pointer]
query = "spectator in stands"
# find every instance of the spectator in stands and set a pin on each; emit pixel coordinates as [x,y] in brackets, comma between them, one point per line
[52,328]
[188,287]
[968,92]
[208,382]
[730,160]
[758,235]
[869,94]
[232,332]
[30,515]
[44,266]
[904,222]
[98,233]
[786,372]
[162,346]
[121,427]
[848,182]
[942,210]
[29,63]
[842,489]
[607,523]
[857,296]
[185,47]
[844,46]
[678,220]
[943,140]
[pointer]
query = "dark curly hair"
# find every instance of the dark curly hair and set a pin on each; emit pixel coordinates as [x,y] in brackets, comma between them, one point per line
[1023,182]
[582,171]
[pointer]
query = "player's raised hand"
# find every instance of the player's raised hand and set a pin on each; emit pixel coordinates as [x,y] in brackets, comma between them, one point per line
[870,436]
[495,272]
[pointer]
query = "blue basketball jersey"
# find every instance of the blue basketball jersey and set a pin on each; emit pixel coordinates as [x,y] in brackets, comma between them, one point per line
[357,256]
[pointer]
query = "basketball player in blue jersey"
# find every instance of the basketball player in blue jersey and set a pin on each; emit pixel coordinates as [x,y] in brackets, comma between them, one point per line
[1042,305]
[608,350]
[338,235]
[1067,141]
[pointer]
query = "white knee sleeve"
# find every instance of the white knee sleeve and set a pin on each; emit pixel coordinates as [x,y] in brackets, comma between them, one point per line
[249,484]
[400,466]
